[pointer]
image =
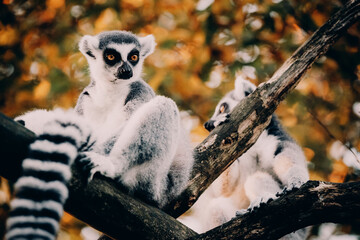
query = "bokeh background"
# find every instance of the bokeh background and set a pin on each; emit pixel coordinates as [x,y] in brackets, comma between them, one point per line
[201,47]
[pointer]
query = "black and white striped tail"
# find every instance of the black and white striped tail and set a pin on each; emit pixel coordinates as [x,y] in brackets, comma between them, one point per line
[41,191]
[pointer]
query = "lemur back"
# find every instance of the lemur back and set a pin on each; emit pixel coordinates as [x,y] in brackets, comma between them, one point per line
[140,141]
[41,191]
[274,163]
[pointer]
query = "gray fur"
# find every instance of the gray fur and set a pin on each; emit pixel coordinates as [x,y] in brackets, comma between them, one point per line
[117,37]
[140,141]
[274,134]
[274,163]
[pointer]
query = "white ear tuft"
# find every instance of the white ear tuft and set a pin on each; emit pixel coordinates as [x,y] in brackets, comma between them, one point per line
[243,87]
[147,45]
[87,46]
[239,87]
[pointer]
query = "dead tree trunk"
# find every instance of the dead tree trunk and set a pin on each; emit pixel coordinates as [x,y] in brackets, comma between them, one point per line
[106,208]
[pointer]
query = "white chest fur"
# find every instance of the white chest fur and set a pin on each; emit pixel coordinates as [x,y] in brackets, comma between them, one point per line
[105,109]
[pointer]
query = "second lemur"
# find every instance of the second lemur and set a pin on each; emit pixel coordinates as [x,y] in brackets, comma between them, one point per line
[140,141]
[274,163]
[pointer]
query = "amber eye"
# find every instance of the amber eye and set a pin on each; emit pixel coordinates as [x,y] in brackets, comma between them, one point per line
[134,58]
[110,57]
[222,109]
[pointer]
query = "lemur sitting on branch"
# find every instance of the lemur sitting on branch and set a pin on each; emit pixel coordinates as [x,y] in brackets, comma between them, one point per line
[274,163]
[139,140]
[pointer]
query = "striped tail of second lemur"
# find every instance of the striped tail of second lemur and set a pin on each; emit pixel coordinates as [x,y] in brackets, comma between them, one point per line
[41,191]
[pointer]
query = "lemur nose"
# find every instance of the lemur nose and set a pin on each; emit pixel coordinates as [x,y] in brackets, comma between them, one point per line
[209,125]
[124,71]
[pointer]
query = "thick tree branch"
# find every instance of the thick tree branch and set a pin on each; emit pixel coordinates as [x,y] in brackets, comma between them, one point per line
[117,214]
[103,206]
[229,141]
[315,202]
[14,142]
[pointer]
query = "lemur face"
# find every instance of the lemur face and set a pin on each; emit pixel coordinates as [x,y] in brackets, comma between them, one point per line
[116,55]
[242,89]
[121,60]
[222,111]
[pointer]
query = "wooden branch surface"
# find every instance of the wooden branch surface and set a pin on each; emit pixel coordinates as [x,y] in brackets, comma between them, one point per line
[103,206]
[14,142]
[111,211]
[315,202]
[251,116]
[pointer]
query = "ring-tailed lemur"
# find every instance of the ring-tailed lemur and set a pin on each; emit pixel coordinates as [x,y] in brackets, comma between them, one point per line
[140,141]
[41,190]
[274,163]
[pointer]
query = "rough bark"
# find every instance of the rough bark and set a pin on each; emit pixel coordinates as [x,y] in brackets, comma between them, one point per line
[229,141]
[14,142]
[315,202]
[111,211]
[106,208]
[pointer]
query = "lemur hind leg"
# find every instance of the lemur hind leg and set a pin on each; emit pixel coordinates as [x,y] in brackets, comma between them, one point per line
[260,187]
[290,166]
[144,151]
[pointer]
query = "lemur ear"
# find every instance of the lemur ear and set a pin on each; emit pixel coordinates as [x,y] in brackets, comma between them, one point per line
[243,87]
[147,45]
[87,46]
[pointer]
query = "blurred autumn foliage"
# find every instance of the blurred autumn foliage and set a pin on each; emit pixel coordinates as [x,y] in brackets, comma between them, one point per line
[201,47]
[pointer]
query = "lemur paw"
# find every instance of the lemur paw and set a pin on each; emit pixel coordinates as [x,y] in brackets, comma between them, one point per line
[255,203]
[211,124]
[92,163]
[223,118]
[258,202]
[293,185]
[241,212]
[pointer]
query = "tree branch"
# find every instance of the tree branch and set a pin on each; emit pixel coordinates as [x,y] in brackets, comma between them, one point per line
[119,215]
[14,142]
[315,202]
[251,116]
[107,209]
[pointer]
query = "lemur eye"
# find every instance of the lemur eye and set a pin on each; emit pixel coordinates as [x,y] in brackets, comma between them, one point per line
[134,58]
[223,108]
[110,57]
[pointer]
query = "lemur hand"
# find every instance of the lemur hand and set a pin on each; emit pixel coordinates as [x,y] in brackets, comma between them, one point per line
[220,119]
[92,163]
